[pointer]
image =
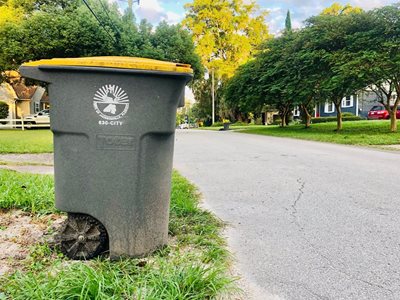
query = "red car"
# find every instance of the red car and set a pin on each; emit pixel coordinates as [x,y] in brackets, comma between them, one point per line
[379,112]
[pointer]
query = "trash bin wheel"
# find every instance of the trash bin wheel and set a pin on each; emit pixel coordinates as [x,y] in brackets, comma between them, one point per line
[82,237]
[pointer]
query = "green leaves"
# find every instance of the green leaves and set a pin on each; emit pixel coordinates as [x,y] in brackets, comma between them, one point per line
[337,54]
[59,28]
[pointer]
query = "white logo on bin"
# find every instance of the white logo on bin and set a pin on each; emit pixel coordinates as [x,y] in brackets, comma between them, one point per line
[111,102]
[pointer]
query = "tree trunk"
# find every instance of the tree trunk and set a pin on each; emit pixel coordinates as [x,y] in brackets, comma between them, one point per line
[283,120]
[393,120]
[307,115]
[393,113]
[287,117]
[339,115]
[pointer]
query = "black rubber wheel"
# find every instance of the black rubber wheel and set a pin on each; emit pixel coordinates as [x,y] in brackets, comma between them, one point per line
[82,237]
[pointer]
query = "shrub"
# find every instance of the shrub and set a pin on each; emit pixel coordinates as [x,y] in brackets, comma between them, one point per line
[3,110]
[239,123]
[217,124]
[334,119]
[277,121]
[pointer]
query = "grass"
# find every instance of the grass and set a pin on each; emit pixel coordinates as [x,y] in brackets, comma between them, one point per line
[29,192]
[27,141]
[193,266]
[365,133]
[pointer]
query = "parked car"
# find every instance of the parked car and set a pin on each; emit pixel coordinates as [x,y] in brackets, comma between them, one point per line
[184,126]
[41,118]
[379,112]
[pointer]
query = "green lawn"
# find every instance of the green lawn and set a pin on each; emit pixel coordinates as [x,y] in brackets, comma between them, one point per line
[193,266]
[366,133]
[27,141]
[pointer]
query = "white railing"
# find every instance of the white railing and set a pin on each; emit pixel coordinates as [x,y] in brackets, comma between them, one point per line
[20,124]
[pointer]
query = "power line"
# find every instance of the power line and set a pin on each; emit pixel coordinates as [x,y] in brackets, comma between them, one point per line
[98,20]
[127,1]
[108,16]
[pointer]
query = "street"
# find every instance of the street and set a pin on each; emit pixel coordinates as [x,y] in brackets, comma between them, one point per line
[306,220]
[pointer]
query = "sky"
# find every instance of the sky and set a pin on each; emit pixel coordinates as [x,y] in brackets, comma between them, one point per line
[173,11]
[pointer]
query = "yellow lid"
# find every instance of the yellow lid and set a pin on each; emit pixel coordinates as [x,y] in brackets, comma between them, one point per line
[120,62]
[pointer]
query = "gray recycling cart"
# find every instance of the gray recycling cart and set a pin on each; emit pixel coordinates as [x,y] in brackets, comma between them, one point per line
[113,120]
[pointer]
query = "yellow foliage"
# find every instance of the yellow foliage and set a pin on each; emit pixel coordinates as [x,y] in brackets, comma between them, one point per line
[226,32]
[10,14]
[337,9]
[14,10]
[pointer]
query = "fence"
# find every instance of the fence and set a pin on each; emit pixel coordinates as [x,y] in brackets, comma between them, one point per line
[20,124]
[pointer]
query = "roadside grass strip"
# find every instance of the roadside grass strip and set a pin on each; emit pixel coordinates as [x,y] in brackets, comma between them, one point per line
[363,133]
[28,192]
[27,141]
[194,265]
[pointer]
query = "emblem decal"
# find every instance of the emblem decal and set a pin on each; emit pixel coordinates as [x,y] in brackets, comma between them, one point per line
[111,102]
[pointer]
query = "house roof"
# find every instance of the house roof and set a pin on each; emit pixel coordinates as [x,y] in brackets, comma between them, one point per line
[23,91]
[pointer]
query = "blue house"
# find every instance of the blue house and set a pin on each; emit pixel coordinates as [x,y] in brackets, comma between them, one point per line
[358,104]
[350,104]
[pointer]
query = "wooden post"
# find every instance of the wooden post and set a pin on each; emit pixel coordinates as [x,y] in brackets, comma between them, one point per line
[22,123]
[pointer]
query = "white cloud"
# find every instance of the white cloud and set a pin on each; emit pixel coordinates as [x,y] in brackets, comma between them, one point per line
[370,3]
[301,10]
[154,12]
[173,18]
[274,9]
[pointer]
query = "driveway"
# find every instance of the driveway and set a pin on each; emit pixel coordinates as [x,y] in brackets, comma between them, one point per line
[306,220]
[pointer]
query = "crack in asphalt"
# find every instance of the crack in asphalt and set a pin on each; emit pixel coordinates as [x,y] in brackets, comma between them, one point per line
[316,250]
[294,205]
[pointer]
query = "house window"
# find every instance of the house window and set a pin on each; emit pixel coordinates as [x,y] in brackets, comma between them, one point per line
[36,107]
[347,101]
[296,111]
[329,107]
[393,99]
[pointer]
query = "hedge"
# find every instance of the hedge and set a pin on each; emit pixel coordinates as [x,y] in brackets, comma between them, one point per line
[334,119]
[3,110]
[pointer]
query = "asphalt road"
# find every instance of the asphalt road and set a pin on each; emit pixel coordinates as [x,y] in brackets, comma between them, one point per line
[306,220]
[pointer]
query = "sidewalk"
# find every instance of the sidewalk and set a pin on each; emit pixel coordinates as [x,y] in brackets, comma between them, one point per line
[28,163]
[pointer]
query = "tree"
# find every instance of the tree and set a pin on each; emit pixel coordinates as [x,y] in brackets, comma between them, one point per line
[374,46]
[275,76]
[226,34]
[173,43]
[337,9]
[202,93]
[288,23]
[242,93]
[61,28]
[304,75]
[328,45]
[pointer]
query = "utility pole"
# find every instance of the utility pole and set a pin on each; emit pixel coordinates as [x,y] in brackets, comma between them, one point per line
[212,95]
[130,5]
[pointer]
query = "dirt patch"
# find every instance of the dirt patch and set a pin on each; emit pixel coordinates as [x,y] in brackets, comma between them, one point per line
[19,231]
[392,147]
